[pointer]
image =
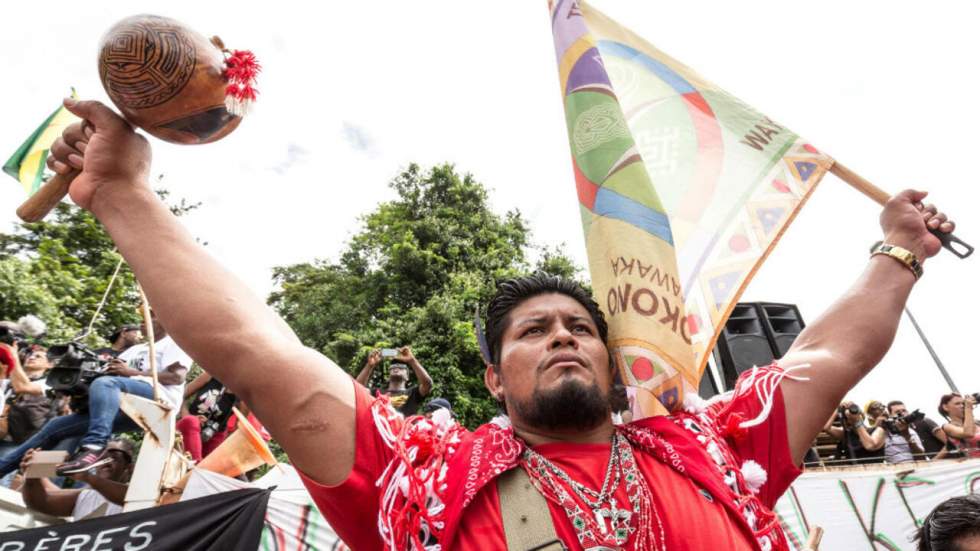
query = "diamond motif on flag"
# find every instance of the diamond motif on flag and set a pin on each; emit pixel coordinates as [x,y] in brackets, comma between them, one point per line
[669,398]
[769,218]
[722,287]
[806,169]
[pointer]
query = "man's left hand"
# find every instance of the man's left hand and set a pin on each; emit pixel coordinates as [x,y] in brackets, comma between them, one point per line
[906,222]
[405,355]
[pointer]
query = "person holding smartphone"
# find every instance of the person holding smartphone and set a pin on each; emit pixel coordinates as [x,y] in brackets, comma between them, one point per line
[406,399]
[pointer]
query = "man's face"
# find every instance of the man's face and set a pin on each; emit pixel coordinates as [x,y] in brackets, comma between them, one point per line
[116,470]
[554,368]
[37,360]
[131,337]
[398,373]
[898,410]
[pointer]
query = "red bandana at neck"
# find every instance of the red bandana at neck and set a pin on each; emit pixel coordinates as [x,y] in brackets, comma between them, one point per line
[439,468]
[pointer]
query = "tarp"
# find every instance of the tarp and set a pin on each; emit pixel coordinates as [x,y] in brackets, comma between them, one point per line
[230,520]
[874,507]
[292,521]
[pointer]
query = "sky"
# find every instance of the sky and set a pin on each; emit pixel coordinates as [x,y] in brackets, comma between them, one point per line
[352,92]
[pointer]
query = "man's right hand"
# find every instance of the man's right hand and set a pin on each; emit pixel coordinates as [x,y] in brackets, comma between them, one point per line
[27,460]
[374,358]
[119,368]
[109,153]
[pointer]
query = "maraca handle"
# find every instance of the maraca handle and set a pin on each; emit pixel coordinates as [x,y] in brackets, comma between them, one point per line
[38,206]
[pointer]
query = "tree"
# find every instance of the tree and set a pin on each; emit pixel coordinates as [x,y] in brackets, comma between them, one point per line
[414,275]
[58,269]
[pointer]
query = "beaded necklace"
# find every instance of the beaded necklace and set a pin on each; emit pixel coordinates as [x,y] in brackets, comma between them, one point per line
[608,527]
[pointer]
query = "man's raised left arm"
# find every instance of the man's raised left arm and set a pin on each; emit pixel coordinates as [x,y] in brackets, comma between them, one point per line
[425,381]
[854,334]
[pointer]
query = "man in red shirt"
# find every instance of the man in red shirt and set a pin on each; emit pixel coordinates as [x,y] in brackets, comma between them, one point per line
[702,479]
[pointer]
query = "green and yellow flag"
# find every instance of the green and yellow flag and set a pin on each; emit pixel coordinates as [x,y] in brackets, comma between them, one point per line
[27,164]
[683,191]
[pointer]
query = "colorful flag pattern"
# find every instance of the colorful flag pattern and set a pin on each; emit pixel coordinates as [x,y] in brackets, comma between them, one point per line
[27,164]
[684,190]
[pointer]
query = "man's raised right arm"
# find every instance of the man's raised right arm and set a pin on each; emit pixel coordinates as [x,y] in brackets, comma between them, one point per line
[304,399]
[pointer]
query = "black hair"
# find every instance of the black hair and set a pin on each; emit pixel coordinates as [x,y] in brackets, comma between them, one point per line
[512,292]
[949,523]
[945,400]
[893,403]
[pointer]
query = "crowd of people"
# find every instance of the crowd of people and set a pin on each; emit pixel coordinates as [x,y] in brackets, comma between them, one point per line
[890,433]
[90,428]
[555,463]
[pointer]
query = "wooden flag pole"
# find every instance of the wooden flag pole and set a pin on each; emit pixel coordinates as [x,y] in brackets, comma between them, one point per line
[150,342]
[949,241]
[813,542]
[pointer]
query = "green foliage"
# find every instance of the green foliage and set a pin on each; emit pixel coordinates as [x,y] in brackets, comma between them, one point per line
[58,269]
[414,275]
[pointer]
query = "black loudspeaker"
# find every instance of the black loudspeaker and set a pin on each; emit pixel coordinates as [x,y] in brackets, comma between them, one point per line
[784,324]
[756,334]
[743,343]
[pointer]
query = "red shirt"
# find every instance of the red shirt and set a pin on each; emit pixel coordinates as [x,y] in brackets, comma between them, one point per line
[693,518]
[7,360]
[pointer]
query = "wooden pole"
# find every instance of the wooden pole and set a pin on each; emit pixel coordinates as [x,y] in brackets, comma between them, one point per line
[877,194]
[150,341]
[950,242]
[813,541]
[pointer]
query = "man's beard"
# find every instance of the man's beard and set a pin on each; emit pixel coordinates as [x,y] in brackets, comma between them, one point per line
[572,406]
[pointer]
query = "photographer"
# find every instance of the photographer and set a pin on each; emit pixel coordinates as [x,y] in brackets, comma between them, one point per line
[203,421]
[28,407]
[15,335]
[856,443]
[961,428]
[930,434]
[901,444]
[107,486]
[98,416]
[403,398]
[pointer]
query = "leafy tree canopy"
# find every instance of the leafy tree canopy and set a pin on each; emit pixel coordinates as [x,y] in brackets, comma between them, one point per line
[414,275]
[58,270]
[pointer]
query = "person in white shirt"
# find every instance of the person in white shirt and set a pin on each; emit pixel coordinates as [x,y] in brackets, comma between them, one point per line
[107,486]
[99,416]
[901,444]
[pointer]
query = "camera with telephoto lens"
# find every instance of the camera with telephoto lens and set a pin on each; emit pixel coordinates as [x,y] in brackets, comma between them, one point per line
[892,422]
[75,367]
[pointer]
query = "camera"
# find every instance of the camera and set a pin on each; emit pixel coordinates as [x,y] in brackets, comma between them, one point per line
[75,367]
[12,336]
[853,409]
[210,428]
[892,422]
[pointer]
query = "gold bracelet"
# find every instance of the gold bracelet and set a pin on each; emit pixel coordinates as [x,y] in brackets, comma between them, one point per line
[905,256]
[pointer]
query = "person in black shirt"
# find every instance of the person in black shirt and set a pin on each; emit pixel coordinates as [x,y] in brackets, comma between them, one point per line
[403,398]
[856,441]
[122,338]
